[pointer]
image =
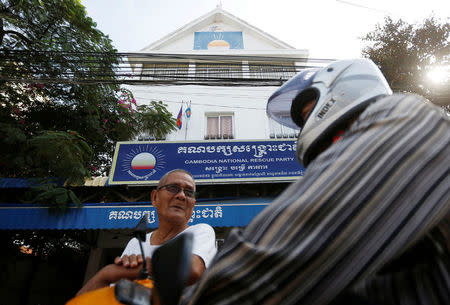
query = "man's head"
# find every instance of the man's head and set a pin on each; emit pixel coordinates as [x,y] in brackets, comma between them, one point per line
[174,198]
[321,101]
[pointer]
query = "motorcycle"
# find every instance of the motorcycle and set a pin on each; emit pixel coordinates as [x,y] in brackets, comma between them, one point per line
[170,271]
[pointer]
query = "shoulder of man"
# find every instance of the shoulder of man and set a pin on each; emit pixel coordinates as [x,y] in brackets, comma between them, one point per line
[204,244]
[411,102]
[200,227]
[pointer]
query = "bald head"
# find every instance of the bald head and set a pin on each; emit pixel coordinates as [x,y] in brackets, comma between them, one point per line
[163,180]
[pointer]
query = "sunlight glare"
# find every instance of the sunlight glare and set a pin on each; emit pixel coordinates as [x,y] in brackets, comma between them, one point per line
[438,75]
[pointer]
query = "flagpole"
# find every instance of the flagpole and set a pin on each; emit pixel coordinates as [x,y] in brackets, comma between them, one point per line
[187,120]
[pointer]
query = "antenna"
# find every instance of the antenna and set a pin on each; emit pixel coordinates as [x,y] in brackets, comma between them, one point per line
[139,232]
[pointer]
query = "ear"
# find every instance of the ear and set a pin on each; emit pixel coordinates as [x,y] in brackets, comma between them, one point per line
[154,197]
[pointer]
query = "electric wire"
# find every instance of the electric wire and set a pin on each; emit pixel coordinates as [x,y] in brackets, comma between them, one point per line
[155,69]
[147,68]
[140,99]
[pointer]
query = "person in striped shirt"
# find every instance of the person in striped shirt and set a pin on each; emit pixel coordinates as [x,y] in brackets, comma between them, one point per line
[368,223]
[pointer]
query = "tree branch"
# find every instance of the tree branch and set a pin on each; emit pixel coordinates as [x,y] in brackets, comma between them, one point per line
[20,35]
[2,33]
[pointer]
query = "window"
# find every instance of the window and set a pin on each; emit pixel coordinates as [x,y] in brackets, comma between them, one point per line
[280,131]
[219,126]
[212,70]
[164,70]
[276,70]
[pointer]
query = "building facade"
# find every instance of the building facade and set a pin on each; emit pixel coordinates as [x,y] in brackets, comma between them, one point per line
[234,64]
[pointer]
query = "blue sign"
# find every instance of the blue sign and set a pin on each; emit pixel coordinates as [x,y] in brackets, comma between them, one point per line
[208,161]
[125,215]
[218,40]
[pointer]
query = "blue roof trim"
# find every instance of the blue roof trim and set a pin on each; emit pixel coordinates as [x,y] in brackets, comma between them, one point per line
[125,215]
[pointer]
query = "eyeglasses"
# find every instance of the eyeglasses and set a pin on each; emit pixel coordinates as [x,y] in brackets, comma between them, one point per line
[175,189]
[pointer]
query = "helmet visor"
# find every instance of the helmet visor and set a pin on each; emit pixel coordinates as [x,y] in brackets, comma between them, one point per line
[280,102]
[302,106]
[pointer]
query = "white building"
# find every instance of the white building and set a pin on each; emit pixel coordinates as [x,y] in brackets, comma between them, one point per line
[217,47]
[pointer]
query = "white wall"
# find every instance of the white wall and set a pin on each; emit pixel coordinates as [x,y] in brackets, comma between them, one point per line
[247,104]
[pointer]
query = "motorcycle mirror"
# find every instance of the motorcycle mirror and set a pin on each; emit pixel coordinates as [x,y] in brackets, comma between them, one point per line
[141,228]
[171,264]
[140,232]
[131,293]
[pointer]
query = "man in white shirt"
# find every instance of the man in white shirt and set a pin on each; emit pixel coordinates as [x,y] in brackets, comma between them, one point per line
[174,199]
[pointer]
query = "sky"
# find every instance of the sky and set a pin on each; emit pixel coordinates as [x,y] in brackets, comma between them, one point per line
[329,29]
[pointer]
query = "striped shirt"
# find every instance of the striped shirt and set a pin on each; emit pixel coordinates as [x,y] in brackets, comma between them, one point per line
[381,190]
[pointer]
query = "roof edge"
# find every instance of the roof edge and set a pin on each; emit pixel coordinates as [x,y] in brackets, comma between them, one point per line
[217,10]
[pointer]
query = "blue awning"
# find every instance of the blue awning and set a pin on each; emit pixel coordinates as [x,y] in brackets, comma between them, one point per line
[28,182]
[124,215]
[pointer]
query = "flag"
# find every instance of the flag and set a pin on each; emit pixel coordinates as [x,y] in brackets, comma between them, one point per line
[188,111]
[180,114]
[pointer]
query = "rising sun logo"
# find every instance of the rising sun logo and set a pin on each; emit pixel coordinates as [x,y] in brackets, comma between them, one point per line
[143,161]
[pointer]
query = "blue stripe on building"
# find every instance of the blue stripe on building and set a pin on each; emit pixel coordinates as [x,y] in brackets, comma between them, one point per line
[225,213]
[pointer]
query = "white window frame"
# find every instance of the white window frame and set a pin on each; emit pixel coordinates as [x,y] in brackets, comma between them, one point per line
[278,131]
[276,70]
[220,135]
[219,70]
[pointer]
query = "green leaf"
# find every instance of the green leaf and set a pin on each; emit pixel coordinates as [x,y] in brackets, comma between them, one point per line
[74,198]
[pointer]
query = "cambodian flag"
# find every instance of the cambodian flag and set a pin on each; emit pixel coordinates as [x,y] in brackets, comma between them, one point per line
[180,114]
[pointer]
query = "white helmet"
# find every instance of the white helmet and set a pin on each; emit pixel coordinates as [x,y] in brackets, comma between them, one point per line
[341,90]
